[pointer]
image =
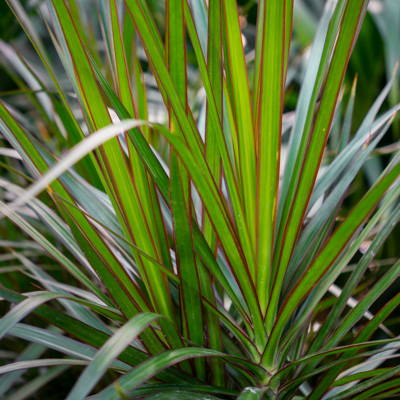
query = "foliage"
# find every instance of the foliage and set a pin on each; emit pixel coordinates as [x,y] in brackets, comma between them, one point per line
[172,227]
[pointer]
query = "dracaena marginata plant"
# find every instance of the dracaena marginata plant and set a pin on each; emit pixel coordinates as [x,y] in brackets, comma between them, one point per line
[187,258]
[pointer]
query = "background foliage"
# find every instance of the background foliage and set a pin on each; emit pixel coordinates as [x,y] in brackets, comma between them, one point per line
[199,252]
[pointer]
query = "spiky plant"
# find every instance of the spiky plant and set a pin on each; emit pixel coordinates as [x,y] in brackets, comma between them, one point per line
[172,259]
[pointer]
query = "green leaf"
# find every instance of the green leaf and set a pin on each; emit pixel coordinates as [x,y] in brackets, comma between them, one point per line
[52,250]
[313,234]
[319,60]
[352,318]
[213,114]
[155,388]
[336,269]
[385,389]
[180,192]
[214,67]
[161,179]
[217,212]
[351,283]
[84,147]
[56,341]
[269,109]
[23,309]
[43,362]
[87,334]
[303,182]
[76,307]
[326,257]
[110,351]
[235,62]
[369,383]
[148,369]
[116,177]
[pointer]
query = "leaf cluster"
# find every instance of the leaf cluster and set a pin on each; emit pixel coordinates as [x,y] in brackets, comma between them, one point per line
[171,228]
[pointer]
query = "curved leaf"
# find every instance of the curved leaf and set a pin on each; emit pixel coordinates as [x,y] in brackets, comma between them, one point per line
[108,353]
